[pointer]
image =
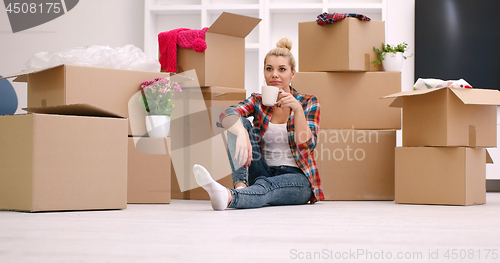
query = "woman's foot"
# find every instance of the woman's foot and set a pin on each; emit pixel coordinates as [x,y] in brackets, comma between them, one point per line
[219,195]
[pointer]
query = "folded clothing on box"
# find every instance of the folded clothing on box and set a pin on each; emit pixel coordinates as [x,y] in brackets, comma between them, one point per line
[185,38]
[326,18]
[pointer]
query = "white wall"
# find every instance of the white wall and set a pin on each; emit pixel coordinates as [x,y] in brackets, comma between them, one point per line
[91,22]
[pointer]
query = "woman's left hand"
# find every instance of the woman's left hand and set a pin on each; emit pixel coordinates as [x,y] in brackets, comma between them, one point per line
[288,100]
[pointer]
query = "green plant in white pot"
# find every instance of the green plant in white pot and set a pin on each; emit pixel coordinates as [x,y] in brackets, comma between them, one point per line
[156,98]
[391,57]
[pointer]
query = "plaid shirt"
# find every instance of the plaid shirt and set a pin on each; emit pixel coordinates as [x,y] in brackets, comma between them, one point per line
[326,18]
[303,153]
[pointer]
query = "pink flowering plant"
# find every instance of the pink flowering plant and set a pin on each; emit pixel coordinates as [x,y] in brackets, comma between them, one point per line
[156,96]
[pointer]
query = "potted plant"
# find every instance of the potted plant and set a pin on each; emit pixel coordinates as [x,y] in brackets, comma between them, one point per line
[156,98]
[391,57]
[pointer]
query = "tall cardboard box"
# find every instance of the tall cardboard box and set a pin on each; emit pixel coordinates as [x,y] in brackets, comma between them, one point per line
[346,45]
[52,162]
[223,62]
[108,89]
[351,100]
[201,141]
[356,164]
[448,117]
[148,171]
[441,175]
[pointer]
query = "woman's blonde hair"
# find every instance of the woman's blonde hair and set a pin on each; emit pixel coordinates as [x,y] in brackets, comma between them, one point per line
[282,48]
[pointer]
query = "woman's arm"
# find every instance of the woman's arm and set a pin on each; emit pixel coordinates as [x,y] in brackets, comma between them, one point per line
[302,131]
[230,120]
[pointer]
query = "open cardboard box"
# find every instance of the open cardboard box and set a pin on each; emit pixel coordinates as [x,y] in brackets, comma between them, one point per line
[441,175]
[346,45]
[223,62]
[351,100]
[148,171]
[108,89]
[356,164]
[448,117]
[63,158]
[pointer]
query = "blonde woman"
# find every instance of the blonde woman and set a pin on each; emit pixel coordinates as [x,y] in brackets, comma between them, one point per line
[272,161]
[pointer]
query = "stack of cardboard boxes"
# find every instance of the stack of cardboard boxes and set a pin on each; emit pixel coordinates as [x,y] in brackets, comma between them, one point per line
[218,81]
[70,151]
[357,137]
[445,133]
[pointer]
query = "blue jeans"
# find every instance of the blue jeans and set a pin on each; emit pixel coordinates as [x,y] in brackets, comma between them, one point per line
[272,185]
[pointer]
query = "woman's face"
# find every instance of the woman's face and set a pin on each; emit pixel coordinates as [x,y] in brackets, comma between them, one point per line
[278,72]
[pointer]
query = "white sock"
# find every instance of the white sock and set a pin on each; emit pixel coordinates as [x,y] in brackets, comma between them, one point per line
[217,192]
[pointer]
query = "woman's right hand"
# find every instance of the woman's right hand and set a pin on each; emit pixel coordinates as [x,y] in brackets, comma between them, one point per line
[243,152]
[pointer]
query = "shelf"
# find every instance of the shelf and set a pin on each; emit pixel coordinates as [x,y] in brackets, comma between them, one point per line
[278,17]
[252,46]
[243,9]
[355,8]
[175,9]
[294,8]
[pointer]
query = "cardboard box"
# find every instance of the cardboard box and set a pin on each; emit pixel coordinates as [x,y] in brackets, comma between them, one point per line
[441,175]
[148,171]
[356,164]
[346,45]
[199,141]
[448,117]
[351,100]
[108,89]
[223,62]
[54,162]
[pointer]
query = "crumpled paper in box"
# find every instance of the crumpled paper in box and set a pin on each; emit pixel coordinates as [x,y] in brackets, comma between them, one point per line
[422,84]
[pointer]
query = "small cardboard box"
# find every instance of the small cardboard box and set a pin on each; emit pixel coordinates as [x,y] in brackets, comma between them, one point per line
[108,89]
[148,171]
[448,117]
[356,164]
[223,62]
[198,140]
[351,100]
[441,175]
[52,162]
[346,45]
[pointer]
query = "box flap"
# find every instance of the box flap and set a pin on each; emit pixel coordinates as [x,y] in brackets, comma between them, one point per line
[234,25]
[397,103]
[73,109]
[411,93]
[477,96]
[22,76]
[467,96]
[488,157]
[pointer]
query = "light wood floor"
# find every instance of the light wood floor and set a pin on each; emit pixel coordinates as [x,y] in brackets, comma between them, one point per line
[189,231]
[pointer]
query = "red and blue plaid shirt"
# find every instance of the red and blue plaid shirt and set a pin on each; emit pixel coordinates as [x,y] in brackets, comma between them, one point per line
[303,153]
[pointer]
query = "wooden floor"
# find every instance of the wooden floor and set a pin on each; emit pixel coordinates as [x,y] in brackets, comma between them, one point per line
[189,231]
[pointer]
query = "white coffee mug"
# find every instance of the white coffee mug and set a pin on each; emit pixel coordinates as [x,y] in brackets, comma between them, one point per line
[269,95]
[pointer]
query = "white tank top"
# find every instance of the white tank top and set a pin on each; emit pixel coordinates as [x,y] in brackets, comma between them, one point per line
[275,148]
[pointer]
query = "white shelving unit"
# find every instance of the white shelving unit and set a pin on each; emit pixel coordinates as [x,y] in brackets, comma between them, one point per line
[280,18]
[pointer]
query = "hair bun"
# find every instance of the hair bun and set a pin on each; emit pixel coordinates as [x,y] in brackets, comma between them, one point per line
[284,43]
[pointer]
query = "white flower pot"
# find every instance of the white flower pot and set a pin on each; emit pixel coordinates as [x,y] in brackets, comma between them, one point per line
[392,62]
[158,125]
